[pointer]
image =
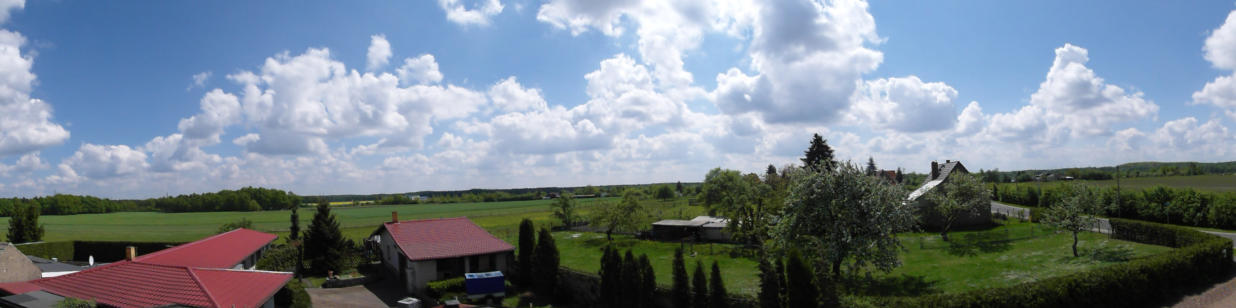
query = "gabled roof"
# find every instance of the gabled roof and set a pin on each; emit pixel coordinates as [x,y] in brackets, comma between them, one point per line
[222,250]
[440,238]
[140,284]
[945,171]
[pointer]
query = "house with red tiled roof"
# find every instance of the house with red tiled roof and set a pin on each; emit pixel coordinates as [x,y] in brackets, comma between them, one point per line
[211,272]
[420,251]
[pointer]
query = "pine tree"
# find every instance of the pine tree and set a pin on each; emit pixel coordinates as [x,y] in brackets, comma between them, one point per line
[609,276]
[629,294]
[527,247]
[294,240]
[900,178]
[545,265]
[681,292]
[648,283]
[770,287]
[800,289]
[779,267]
[871,166]
[699,284]
[819,153]
[324,243]
[717,297]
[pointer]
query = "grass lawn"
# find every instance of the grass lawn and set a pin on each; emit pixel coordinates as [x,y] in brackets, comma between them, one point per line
[1013,253]
[1209,182]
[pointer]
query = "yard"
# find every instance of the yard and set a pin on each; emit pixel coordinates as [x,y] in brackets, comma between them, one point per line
[1013,253]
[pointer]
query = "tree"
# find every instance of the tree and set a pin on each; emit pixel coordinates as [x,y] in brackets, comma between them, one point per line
[871,166]
[280,259]
[545,264]
[243,223]
[564,210]
[663,192]
[647,283]
[24,224]
[1074,213]
[527,247]
[699,286]
[819,154]
[739,198]
[961,195]
[629,294]
[681,291]
[845,216]
[800,288]
[294,239]
[717,297]
[900,177]
[678,187]
[611,271]
[324,243]
[626,216]
[770,285]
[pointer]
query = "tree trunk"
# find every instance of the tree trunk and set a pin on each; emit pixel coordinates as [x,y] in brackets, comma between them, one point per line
[836,269]
[944,235]
[1074,244]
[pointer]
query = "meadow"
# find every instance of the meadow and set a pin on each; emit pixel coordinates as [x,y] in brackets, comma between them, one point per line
[1208,182]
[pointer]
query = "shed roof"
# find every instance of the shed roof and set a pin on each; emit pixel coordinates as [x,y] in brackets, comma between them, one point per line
[440,238]
[219,251]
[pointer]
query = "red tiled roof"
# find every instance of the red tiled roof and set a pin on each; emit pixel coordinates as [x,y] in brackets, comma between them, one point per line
[139,284]
[222,250]
[18,287]
[443,238]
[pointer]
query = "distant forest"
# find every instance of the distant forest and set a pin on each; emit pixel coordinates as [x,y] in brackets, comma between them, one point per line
[1129,170]
[498,195]
[244,199]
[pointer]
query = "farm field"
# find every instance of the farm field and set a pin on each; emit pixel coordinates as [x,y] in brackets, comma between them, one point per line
[1014,253]
[1208,182]
[355,222]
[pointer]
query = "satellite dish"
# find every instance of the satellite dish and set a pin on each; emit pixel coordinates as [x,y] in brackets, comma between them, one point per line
[91,260]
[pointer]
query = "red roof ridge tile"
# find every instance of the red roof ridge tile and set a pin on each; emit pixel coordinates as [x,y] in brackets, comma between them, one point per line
[427,220]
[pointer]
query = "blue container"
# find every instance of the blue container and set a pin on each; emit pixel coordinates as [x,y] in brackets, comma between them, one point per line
[484,283]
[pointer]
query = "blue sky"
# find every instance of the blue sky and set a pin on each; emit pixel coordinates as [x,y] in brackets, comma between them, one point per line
[140,99]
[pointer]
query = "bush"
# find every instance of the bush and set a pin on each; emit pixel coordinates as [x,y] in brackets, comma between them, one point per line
[1200,259]
[48,250]
[293,295]
[439,288]
[280,259]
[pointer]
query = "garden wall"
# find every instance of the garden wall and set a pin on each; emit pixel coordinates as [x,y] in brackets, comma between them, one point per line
[1200,258]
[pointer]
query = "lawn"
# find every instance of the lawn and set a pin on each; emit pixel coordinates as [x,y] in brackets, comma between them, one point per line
[1013,253]
[356,222]
[1209,182]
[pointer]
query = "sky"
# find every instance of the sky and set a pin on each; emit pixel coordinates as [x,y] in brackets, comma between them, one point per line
[137,99]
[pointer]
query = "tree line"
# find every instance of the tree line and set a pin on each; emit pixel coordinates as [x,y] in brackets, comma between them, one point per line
[244,199]
[1180,206]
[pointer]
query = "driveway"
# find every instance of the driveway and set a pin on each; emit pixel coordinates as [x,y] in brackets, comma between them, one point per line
[376,294]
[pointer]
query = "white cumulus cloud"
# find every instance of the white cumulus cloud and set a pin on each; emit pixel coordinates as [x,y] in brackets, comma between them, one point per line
[479,14]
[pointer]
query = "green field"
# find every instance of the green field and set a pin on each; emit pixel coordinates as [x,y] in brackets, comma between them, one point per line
[1007,255]
[356,222]
[1209,182]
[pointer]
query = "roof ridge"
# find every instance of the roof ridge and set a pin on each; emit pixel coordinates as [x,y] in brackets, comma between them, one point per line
[178,247]
[426,220]
[209,297]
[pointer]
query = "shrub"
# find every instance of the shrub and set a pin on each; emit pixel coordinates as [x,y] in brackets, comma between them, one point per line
[1200,258]
[440,288]
[293,295]
[281,259]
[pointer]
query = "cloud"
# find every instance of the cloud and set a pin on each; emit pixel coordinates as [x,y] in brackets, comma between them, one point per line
[906,104]
[25,123]
[808,59]
[1220,50]
[199,80]
[508,95]
[479,14]
[10,5]
[379,52]
[420,70]
[105,161]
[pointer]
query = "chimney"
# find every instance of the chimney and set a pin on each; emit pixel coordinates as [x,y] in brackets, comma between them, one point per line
[394,217]
[130,253]
[935,170]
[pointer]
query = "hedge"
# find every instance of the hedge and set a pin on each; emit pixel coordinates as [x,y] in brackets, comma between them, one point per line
[439,288]
[83,250]
[1199,258]
[47,250]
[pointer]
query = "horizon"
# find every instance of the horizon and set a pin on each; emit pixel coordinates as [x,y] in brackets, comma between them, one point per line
[136,100]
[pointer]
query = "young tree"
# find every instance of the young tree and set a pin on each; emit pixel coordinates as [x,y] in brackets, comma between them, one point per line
[627,215]
[717,297]
[629,293]
[961,195]
[610,274]
[244,223]
[871,166]
[800,288]
[527,248]
[1074,213]
[900,177]
[699,286]
[545,264]
[294,240]
[845,217]
[24,224]
[681,292]
[564,210]
[819,153]
[770,285]
[324,243]
[647,283]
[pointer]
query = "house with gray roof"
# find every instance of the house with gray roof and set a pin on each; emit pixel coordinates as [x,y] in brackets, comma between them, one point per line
[940,175]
